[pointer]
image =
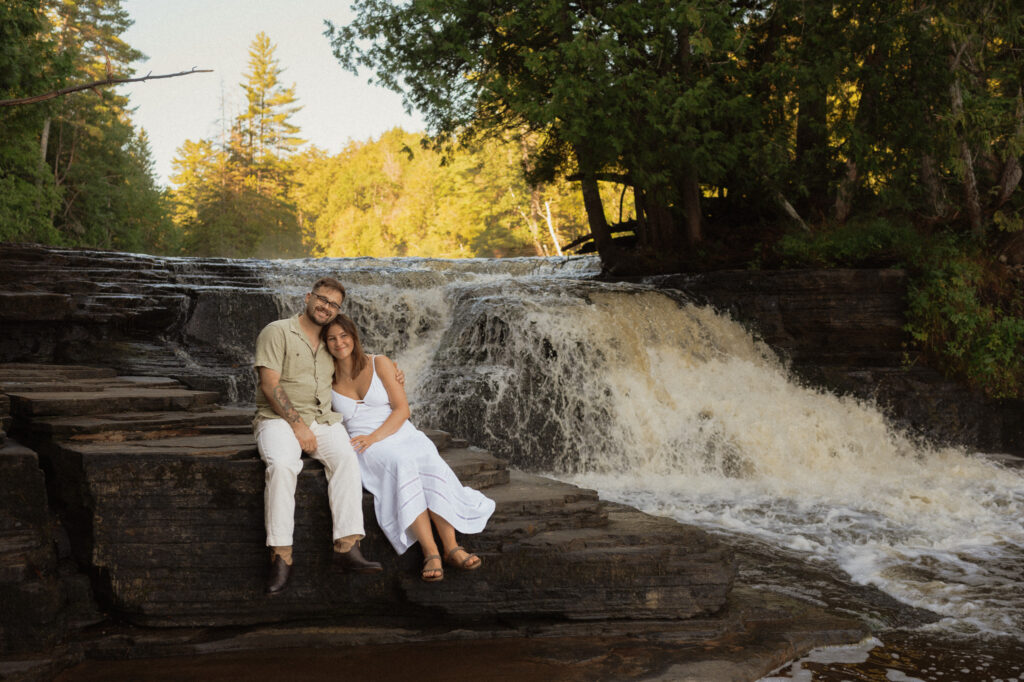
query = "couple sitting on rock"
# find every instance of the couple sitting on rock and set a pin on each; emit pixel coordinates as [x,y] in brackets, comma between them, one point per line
[320,393]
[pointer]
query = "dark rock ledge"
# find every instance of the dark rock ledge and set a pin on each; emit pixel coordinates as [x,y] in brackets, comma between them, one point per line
[145,539]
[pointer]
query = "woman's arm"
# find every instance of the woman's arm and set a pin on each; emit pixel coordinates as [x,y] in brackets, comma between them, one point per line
[399,406]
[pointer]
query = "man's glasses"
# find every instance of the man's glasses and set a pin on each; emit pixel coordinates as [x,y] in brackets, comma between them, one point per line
[327,302]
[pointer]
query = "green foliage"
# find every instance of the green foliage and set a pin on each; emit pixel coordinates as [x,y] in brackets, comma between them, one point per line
[235,199]
[834,109]
[644,90]
[862,242]
[28,58]
[73,170]
[959,316]
[258,194]
[959,310]
[264,136]
[398,197]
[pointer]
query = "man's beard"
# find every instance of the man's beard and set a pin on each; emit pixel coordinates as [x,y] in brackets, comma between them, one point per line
[312,318]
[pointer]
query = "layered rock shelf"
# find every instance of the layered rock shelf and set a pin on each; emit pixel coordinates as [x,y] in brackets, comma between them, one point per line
[195,320]
[131,510]
[158,493]
[161,492]
[140,314]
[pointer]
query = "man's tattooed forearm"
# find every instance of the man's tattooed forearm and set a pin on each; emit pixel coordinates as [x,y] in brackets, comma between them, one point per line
[288,411]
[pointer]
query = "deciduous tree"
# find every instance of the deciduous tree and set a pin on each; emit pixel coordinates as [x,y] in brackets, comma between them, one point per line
[637,89]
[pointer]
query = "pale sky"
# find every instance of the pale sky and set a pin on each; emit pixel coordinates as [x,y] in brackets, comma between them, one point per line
[177,35]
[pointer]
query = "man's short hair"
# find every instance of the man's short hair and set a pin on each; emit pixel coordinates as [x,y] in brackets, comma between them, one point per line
[329,283]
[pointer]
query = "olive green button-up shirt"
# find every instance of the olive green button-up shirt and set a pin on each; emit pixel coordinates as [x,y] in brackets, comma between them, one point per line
[306,375]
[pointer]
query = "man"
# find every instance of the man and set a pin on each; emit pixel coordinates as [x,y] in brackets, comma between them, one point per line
[293,415]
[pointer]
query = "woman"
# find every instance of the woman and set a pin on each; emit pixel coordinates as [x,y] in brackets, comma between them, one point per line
[412,486]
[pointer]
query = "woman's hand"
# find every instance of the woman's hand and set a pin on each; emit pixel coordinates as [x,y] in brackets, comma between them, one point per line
[360,443]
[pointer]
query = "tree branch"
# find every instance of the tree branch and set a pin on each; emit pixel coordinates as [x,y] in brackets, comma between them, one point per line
[94,84]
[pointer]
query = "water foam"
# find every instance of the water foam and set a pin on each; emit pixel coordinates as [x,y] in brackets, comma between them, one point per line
[677,410]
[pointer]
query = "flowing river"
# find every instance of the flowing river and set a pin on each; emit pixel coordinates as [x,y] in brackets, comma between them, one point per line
[676,410]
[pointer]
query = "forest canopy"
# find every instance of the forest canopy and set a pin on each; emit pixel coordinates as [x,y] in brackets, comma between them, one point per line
[659,130]
[73,170]
[669,136]
[707,110]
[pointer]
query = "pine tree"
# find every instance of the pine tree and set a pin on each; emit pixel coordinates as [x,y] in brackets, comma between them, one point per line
[264,133]
[235,198]
[27,57]
[72,170]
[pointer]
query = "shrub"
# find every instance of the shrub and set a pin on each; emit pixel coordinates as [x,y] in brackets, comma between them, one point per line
[960,311]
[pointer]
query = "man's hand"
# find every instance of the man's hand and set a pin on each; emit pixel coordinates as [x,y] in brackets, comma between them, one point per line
[399,376]
[307,441]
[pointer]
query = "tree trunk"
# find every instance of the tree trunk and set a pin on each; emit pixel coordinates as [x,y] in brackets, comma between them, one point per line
[930,180]
[971,197]
[538,248]
[659,235]
[551,228]
[44,140]
[640,202]
[844,195]
[1012,172]
[864,121]
[594,207]
[595,215]
[691,208]
[812,147]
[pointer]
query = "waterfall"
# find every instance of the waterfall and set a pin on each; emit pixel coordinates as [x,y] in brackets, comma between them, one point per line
[674,408]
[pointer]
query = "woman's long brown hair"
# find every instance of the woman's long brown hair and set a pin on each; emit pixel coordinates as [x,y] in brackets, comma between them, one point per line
[359,359]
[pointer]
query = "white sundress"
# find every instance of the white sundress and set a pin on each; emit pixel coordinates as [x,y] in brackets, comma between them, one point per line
[404,472]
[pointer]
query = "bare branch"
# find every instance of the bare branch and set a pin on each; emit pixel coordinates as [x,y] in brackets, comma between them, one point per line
[95,84]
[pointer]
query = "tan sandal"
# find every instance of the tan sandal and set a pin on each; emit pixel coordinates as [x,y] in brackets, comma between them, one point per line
[436,574]
[466,564]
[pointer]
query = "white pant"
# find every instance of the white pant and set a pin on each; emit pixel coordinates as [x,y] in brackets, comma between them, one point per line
[280,451]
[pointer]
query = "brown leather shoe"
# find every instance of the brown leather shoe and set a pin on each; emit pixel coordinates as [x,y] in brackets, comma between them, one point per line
[279,572]
[353,561]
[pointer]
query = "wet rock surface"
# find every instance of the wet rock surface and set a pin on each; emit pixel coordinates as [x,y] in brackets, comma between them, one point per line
[146,540]
[140,314]
[194,320]
[162,495]
[161,504]
[30,591]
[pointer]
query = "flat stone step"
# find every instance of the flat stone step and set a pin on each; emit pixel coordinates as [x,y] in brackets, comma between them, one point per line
[26,371]
[531,504]
[88,384]
[442,439]
[637,566]
[176,524]
[30,592]
[29,378]
[162,492]
[31,404]
[177,448]
[475,467]
[145,425]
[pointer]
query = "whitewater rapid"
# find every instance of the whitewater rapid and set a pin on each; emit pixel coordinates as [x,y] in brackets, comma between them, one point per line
[676,410]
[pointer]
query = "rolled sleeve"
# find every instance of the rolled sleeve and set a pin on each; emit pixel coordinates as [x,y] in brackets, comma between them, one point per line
[270,348]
